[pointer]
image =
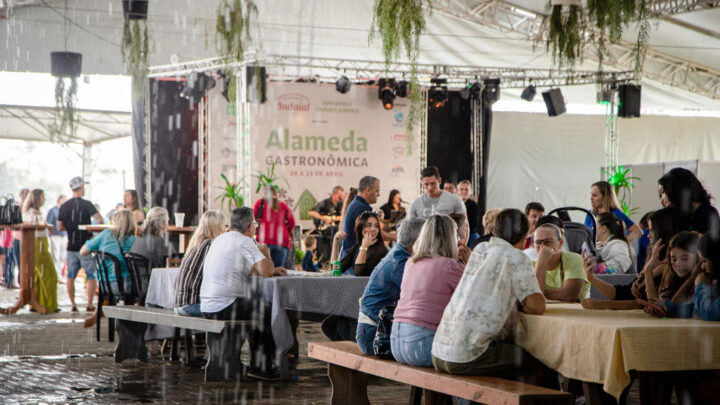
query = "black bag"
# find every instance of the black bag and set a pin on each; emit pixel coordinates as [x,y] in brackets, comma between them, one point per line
[381,343]
[10,214]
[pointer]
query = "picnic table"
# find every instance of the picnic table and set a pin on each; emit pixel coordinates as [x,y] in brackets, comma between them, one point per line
[602,346]
[302,292]
[27,268]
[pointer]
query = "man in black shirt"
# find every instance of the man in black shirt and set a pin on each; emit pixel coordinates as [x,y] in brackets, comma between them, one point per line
[326,217]
[75,212]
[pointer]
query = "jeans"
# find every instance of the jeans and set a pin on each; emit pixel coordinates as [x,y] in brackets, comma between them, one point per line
[278,254]
[411,344]
[365,337]
[189,310]
[472,238]
[9,270]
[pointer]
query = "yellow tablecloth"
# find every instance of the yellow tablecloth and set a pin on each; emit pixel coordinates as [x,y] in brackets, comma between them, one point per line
[602,346]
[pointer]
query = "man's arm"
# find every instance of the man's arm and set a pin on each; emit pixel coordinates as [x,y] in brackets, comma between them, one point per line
[569,292]
[263,268]
[60,225]
[98,218]
[534,304]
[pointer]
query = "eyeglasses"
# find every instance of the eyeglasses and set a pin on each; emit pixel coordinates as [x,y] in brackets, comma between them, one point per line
[256,223]
[540,242]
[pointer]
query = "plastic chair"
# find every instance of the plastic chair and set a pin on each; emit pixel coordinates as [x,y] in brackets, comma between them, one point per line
[106,292]
[139,268]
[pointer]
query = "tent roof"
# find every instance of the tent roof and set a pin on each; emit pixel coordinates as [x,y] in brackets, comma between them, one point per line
[684,43]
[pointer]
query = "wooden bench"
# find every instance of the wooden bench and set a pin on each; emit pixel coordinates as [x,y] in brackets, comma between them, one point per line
[349,369]
[224,338]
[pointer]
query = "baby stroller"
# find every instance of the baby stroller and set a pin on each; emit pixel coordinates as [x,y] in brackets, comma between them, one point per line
[576,233]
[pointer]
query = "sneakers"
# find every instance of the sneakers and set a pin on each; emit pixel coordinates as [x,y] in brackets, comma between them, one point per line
[90,308]
[74,310]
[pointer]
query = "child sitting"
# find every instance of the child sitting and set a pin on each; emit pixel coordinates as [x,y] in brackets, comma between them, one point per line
[675,293]
[309,262]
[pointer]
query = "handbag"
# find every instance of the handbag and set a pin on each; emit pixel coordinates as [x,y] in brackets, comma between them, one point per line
[10,213]
[381,343]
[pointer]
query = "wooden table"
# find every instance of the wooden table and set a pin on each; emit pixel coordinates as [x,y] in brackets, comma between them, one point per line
[27,268]
[601,347]
[181,231]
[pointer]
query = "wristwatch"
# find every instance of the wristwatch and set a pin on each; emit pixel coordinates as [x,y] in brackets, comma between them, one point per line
[363,249]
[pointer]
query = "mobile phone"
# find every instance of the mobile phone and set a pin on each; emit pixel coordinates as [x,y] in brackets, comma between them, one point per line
[585,249]
[647,304]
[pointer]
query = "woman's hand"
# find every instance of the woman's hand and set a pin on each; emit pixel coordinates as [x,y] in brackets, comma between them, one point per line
[659,302]
[367,240]
[701,278]
[340,236]
[656,248]
[589,263]
[638,285]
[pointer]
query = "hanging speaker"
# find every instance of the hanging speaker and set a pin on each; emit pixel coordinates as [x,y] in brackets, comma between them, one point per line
[554,102]
[629,104]
[256,84]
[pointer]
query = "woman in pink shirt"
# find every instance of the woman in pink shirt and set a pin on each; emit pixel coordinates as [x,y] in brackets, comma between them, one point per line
[276,223]
[428,283]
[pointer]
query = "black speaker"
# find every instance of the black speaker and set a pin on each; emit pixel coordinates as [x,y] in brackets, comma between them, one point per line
[554,102]
[629,105]
[256,84]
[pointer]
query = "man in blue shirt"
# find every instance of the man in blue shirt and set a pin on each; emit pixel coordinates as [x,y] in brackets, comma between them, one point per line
[58,239]
[368,192]
[383,288]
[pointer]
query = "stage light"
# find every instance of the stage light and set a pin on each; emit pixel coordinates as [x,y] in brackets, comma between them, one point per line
[402,89]
[475,91]
[437,95]
[528,93]
[554,102]
[491,90]
[386,92]
[224,85]
[342,85]
[196,85]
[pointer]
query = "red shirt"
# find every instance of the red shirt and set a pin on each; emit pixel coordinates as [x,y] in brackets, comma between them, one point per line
[275,226]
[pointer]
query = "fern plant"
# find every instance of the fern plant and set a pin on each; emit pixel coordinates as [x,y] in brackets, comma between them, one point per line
[234,27]
[65,120]
[134,49]
[400,23]
[566,33]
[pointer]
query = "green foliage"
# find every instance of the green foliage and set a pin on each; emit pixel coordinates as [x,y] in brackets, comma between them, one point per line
[268,179]
[641,44]
[234,24]
[231,194]
[65,120]
[399,23]
[623,184]
[565,37]
[134,49]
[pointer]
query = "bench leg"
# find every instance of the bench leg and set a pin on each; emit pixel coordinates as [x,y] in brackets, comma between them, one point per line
[436,398]
[224,355]
[174,356]
[131,342]
[416,396]
[348,386]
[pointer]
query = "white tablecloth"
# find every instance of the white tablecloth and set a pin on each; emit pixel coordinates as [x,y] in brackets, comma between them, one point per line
[315,293]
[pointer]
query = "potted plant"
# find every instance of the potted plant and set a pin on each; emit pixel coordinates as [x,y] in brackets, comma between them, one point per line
[66,67]
[399,23]
[233,33]
[232,194]
[268,180]
[623,184]
[134,46]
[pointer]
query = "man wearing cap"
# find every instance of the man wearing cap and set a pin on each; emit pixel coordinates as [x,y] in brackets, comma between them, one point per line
[75,212]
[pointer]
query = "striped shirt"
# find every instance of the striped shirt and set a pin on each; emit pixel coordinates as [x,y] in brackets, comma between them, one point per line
[187,284]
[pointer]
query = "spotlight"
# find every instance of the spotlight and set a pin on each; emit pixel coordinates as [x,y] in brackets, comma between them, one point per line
[402,89]
[528,93]
[224,85]
[491,90]
[386,92]
[196,85]
[475,90]
[554,102]
[437,95]
[342,85]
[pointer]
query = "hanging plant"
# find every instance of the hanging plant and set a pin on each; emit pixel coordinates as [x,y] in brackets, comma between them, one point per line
[134,51]
[66,66]
[566,33]
[399,23]
[233,33]
[641,44]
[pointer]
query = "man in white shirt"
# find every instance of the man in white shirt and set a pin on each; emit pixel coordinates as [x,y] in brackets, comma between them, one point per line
[435,201]
[232,290]
[497,277]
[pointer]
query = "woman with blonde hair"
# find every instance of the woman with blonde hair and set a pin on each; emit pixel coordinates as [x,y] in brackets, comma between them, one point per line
[603,199]
[187,285]
[428,283]
[45,277]
[153,244]
[114,241]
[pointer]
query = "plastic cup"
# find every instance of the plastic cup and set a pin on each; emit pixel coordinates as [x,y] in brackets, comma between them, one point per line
[179,219]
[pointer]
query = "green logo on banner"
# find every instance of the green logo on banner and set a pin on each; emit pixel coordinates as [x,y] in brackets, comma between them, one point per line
[305,204]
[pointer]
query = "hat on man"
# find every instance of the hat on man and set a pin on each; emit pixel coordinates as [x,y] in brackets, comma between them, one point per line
[77,182]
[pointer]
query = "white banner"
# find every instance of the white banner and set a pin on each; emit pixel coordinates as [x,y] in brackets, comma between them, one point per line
[318,138]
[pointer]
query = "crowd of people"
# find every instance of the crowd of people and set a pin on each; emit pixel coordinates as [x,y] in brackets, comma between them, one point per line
[452,278]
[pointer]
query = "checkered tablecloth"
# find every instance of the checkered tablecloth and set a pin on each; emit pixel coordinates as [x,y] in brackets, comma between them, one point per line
[311,294]
[602,346]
